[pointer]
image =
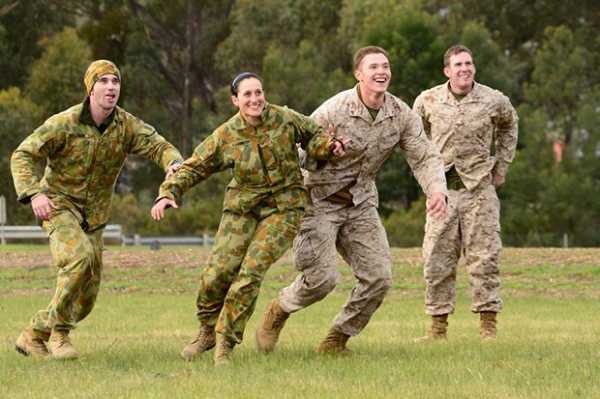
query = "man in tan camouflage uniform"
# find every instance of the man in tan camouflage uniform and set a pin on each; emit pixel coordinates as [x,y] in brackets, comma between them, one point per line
[343,213]
[263,206]
[84,149]
[464,118]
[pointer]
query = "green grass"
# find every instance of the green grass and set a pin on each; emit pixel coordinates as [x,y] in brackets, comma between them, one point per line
[548,346]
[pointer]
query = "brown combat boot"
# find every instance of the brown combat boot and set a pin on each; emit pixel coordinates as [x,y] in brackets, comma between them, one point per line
[487,329]
[60,346]
[438,330]
[268,331]
[31,342]
[205,340]
[334,343]
[223,351]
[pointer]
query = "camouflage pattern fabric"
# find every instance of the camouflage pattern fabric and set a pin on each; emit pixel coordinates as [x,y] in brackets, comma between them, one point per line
[264,160]
[95,70]
[263,205]
[395,126]
[246,245]
[464,132]
[78,257]
[82,165]
[472,226]
[357,233]
[352,225]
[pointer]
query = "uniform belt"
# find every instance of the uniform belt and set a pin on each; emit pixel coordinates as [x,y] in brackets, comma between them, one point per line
[343,196]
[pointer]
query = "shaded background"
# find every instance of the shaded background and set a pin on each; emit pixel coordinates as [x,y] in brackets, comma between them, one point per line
[178,56]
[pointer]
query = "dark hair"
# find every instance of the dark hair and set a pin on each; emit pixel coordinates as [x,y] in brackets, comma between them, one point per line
[453,50]
[364,51]
[242,76]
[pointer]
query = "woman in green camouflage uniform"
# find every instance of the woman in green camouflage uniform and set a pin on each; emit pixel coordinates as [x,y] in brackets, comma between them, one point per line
[263,206]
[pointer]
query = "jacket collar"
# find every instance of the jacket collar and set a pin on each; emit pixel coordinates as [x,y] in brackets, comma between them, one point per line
[473,96]
[359,109]
[238,122]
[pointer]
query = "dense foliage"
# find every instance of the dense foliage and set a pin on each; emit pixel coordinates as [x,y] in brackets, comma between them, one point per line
[177,58]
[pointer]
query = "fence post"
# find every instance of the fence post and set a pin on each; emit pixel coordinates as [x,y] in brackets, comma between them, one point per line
[565,240]
[2,219]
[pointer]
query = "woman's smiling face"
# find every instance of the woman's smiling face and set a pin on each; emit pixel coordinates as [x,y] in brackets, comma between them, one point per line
[250,99]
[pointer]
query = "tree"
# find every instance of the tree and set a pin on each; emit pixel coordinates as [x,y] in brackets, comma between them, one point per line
[22,25]
[56,81]
[545,198]
[19,116]
[184,35]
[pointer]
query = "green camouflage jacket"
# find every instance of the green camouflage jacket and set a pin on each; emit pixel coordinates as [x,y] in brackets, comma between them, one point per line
[82,164]
[264,160]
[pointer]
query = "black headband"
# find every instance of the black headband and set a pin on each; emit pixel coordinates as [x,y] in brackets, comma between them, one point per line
[236,81]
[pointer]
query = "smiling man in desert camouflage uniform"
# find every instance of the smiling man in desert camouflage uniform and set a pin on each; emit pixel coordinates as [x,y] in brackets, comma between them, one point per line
[343,215]
[464,119]
[84,149]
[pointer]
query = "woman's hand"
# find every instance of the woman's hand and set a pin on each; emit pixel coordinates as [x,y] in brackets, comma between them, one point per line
[338,147]
[158,210]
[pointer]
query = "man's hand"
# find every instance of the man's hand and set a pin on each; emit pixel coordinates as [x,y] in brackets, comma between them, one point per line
[158,210]
[498,180]
[339,145]
[172,169]
[42,206]
[436,205]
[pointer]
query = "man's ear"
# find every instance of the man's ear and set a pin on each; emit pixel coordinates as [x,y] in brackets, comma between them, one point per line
[447,72]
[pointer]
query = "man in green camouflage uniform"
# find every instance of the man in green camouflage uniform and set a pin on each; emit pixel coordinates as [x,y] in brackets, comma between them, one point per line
[263,206]
[343,213]
[84,149]
[464,119]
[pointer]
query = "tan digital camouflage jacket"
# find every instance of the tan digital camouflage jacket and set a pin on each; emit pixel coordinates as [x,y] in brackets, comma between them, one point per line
[82,164]
[263,159]
[372,143]
[464,130]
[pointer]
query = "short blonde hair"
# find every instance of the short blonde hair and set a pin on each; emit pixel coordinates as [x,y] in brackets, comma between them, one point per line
[364,51]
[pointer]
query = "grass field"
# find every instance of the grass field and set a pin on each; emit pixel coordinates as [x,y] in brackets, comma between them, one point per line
[548,346]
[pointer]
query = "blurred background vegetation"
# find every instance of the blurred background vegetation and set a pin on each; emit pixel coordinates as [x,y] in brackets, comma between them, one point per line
[178,56]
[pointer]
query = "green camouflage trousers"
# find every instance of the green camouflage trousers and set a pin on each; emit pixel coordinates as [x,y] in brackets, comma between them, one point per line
[245,247]
[78,257]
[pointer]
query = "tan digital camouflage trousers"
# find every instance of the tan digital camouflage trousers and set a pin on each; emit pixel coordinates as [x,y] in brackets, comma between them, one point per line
[78,257]
[245,247]
[473,226]
[359,236]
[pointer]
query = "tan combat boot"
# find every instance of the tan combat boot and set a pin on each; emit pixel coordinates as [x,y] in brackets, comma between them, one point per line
[223,351]
[60,346]
[204,341]
[334,343]
[31,342]
[268,331]
[438,330]
[487,329]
